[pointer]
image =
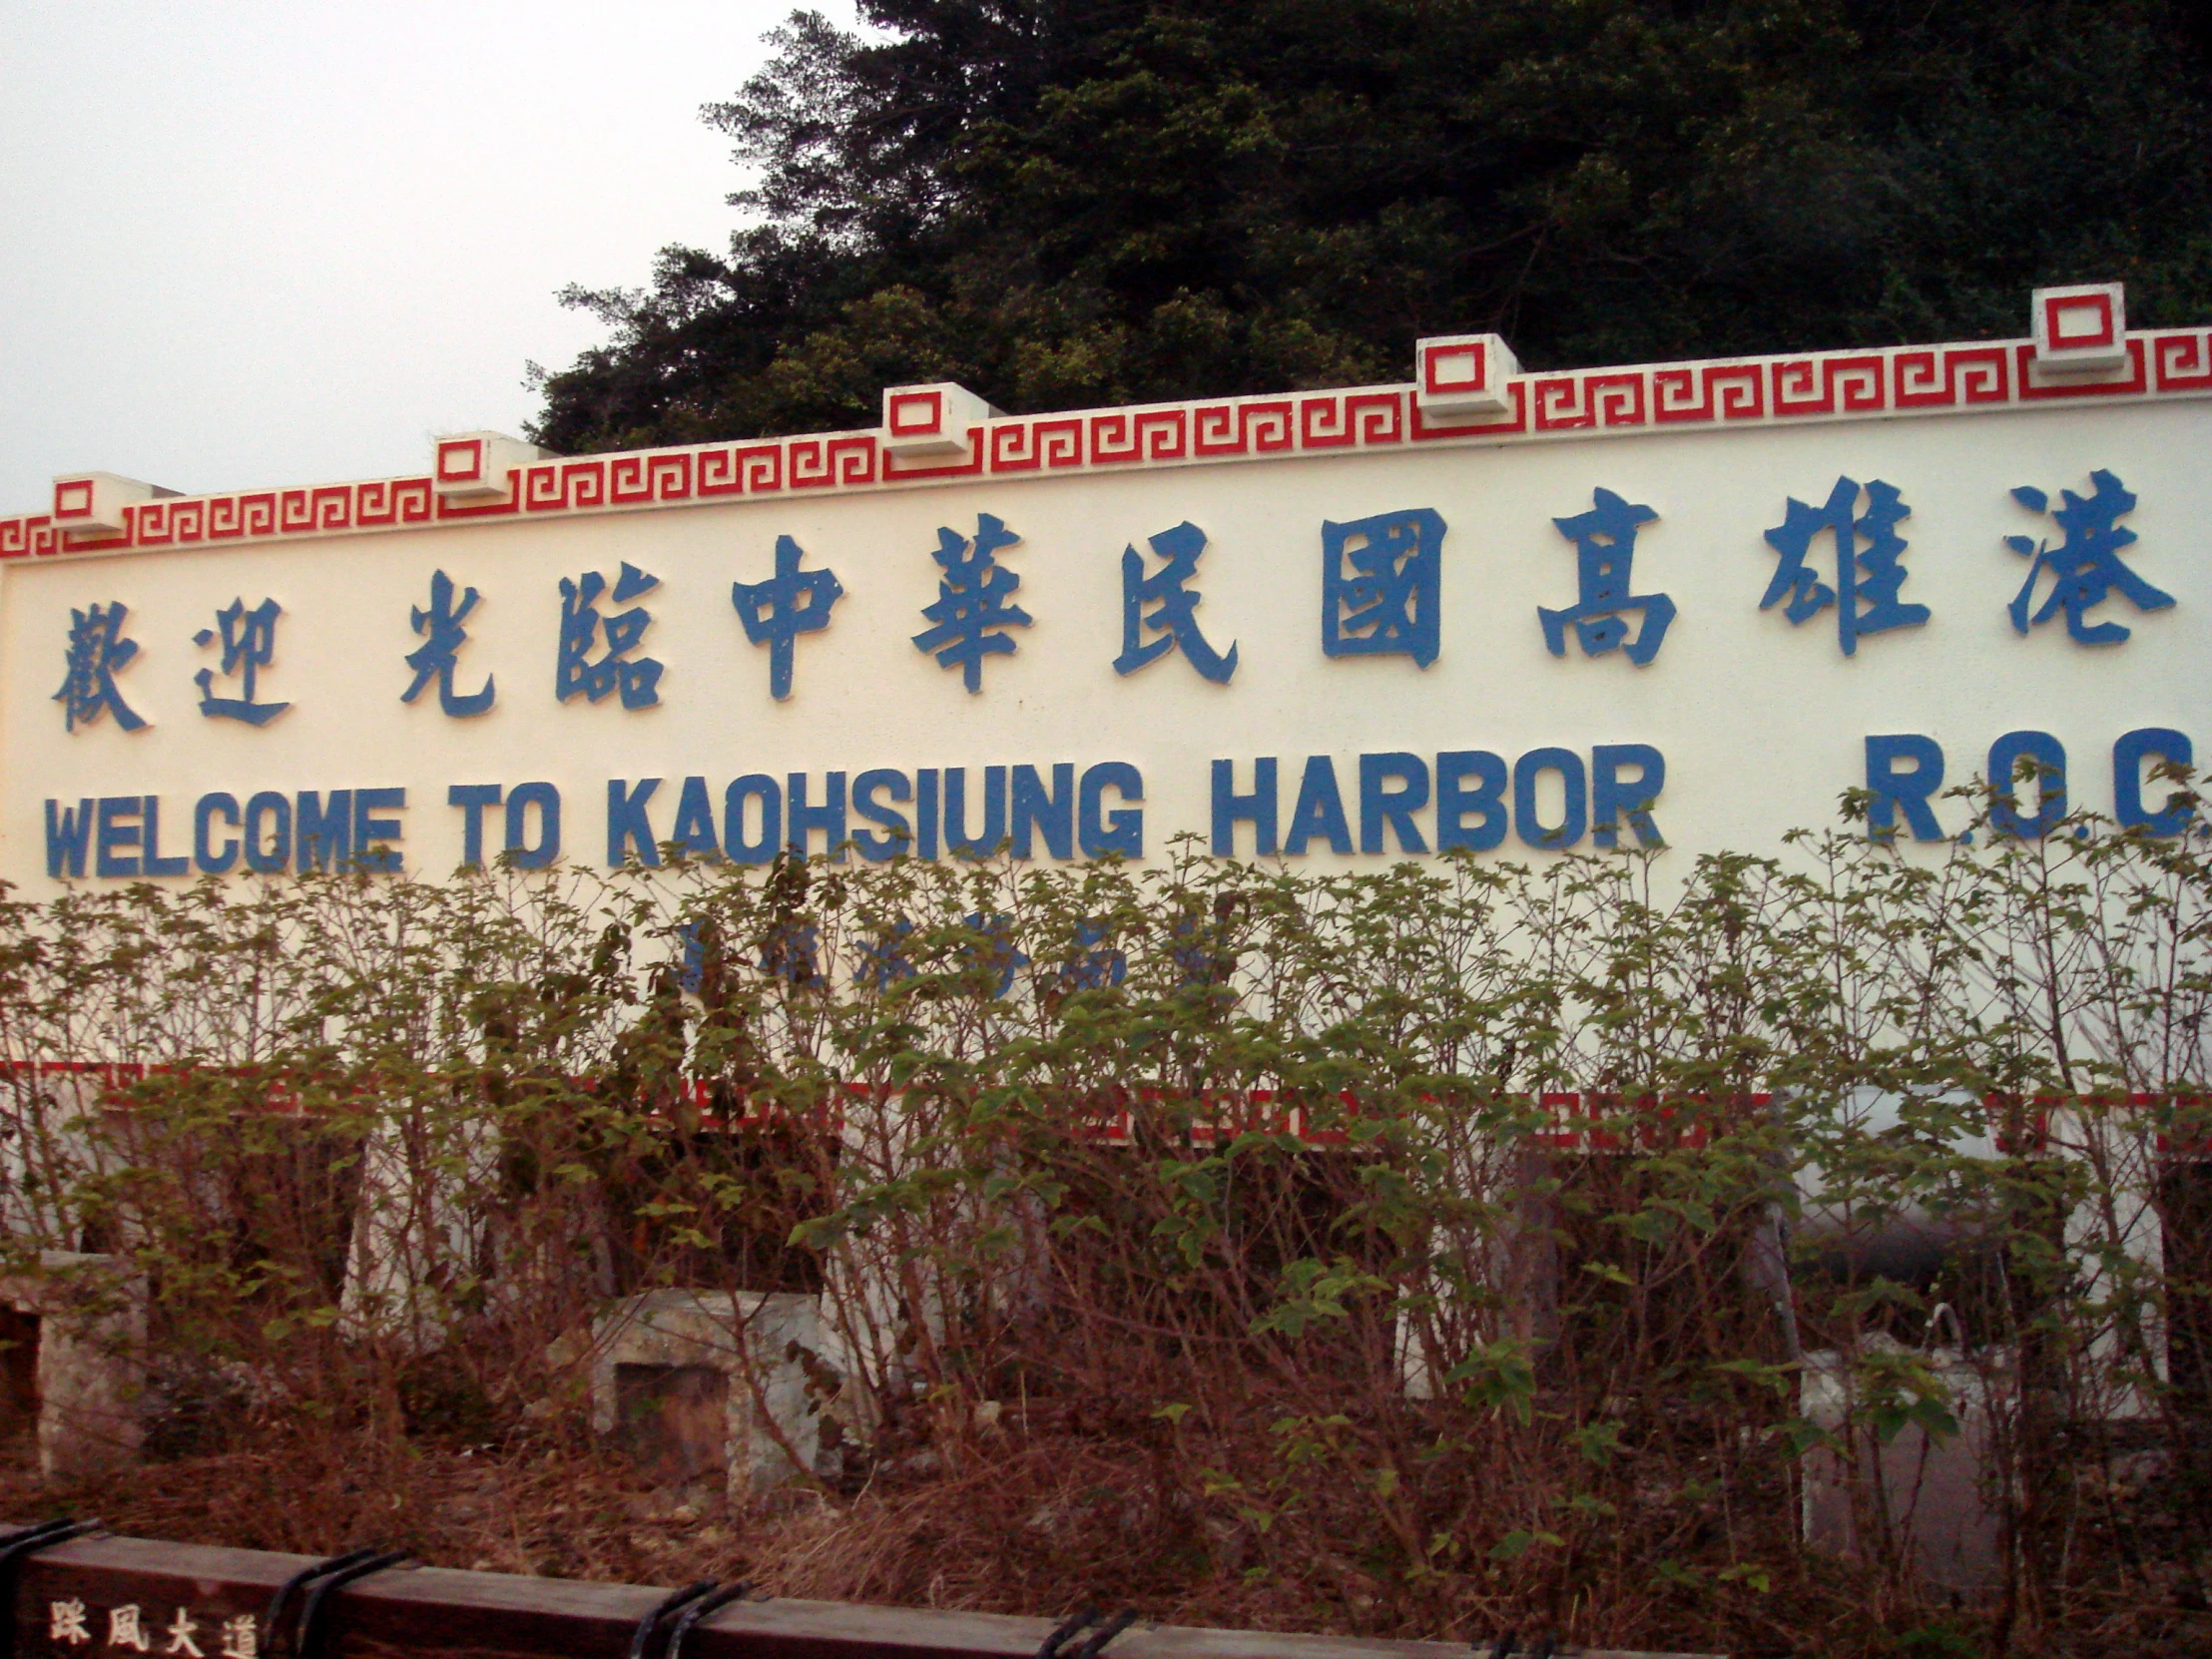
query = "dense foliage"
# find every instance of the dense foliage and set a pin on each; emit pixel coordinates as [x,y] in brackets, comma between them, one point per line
[1070,202]
[1204,1232]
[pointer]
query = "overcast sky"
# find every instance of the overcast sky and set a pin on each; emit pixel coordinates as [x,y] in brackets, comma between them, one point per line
[248,243]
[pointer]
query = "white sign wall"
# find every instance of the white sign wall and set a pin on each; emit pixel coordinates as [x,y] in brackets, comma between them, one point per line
[1398,712]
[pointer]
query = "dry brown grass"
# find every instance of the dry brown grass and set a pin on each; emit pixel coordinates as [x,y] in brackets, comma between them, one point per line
[542,1509]
[1035,1527]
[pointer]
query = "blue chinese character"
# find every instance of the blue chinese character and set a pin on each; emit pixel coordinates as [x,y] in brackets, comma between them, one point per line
[581,625]
[2086,565]
[1095,962]
[971,599]
[1605,545]
[790,949]
[248,645]
[437,658]
[884,961]
[786,605]
[1387,605]
[993,950]
[1874,575]
[1176,616]
[97,649]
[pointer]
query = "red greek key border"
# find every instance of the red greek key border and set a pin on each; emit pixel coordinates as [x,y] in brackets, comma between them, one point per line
[1737,394]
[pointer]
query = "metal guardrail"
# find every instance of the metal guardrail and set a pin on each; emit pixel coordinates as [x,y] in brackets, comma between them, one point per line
[94,1596]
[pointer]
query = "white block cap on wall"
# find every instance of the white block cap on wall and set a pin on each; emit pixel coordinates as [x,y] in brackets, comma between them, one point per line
[2080,330]
[932,420]
[94,501]
[473,466]
[1463,376]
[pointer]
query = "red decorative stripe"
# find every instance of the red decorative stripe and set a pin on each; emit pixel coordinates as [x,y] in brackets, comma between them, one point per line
[1565,403]
[2135,385]
[1337,420]
[1946,378]
[1139,436]
[1839,384]
[393,502]
[816,464]
[1024,446]
[637,478]
[2184,361]
[1517,425]
[1711,391]
[957,469]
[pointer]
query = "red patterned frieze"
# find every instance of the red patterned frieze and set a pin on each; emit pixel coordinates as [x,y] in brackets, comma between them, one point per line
[1709,392]
[488,476]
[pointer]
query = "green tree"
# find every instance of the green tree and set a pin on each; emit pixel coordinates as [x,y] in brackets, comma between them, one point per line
[1065,203]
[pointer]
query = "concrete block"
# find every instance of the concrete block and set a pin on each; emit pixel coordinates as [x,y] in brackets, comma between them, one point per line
[675,1373]
[86,1318]
[1929,1496]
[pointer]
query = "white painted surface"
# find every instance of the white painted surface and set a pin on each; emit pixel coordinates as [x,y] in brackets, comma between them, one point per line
[1762,724]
